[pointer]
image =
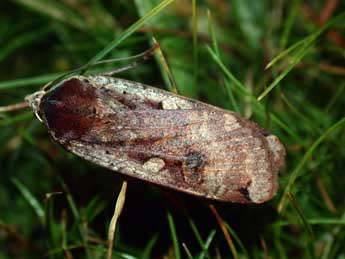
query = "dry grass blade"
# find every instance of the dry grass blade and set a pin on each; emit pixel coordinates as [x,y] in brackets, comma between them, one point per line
[118,209]
[225,231]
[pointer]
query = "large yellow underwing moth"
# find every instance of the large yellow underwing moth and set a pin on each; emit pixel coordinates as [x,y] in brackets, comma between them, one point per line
[162,138]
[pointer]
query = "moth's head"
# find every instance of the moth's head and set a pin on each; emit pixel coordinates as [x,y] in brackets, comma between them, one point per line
[34,101]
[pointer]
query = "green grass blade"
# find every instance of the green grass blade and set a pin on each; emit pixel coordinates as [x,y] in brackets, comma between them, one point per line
[82,226]
[30,198]
[300,213]
[258,107]
[212,33]
[307,43]
[195,43]
[307,40]
[294,61]
[55,10]
[318,221]
[174,236]
[306,156]
[148,249]
[309,124]
[25,82]
[289,22]
[237,239]
[227,72]
[186,249]
[207,244]
[23,40]
[198,236]
[129,31]
[335,98]
[16,119]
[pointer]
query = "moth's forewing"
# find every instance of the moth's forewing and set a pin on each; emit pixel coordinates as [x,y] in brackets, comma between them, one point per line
[163,138]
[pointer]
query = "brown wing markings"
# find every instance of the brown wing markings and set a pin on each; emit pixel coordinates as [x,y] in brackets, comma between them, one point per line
[142,154]
[171,114]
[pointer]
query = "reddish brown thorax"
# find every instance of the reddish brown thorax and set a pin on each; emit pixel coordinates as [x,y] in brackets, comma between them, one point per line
[70,109]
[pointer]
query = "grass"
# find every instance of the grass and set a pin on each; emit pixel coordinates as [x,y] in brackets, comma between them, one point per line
[279,63]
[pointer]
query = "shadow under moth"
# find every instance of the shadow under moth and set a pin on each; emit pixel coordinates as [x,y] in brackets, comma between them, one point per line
[162,138]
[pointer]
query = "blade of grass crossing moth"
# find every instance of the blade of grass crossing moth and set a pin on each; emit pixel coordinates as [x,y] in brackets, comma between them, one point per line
[306,156]
[207,244]
[237,239]
[30,198]
[130,30]
[174,235]
[195,43]
[300,213]
[225,231]
[117,212]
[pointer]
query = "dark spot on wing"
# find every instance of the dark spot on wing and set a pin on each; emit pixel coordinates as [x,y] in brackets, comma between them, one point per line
[193,166]
[245,192]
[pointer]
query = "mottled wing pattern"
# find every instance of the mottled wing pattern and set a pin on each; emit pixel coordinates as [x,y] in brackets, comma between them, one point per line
[163,138]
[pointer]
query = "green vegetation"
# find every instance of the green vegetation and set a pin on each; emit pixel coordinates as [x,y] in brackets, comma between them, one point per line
[56,205]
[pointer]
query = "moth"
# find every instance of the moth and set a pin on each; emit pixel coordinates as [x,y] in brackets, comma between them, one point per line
[162,138]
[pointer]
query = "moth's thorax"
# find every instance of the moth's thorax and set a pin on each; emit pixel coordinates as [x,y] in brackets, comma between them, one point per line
[70,109]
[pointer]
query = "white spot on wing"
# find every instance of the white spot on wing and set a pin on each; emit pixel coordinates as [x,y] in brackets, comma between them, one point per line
[154,165]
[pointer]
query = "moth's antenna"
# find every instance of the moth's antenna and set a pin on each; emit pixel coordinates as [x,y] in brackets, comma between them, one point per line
[14,107]
[142,57]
